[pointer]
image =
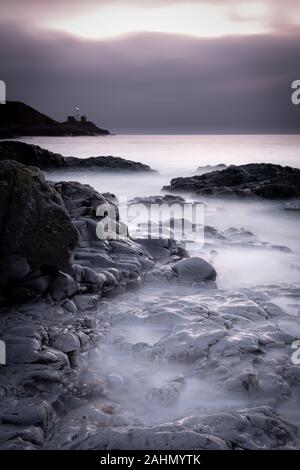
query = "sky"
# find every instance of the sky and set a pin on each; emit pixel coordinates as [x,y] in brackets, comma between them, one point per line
[156,66]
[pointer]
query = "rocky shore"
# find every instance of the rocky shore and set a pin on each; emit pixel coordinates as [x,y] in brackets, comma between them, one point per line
[255,180]
[115,342]
[34,155]
[54,270]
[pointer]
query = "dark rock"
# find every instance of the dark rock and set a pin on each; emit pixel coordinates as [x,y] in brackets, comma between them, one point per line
[282,248]
[36,232]
[105,164]
[110,254]
[92,281]
[16,437]
[168,199]
[35,282]
[48,337]
[26,413]
[212,232]
[258,180]
[111,197]
[34,155]
[185,271]
[63,286]
[194,270]
[209,168]
[242,237]
[67,342]
[81,200]
[239,233]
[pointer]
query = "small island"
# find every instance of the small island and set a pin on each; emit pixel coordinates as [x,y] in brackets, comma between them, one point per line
[18,119]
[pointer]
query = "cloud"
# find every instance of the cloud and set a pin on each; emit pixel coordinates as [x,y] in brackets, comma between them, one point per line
[156,82]
[273,15]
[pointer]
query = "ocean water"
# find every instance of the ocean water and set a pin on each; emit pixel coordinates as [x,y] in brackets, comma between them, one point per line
[171,154]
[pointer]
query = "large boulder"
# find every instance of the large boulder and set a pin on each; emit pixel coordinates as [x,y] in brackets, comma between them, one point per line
[194,270]
[255,180]
[36,233]
[189,271]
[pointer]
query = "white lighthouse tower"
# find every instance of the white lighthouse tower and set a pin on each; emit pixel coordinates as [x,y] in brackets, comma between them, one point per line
[77,115]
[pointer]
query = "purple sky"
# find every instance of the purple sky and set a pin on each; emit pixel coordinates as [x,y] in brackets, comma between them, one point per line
[156,66]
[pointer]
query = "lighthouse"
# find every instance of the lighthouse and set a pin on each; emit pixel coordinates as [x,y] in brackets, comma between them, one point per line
[77,115]
[76,118]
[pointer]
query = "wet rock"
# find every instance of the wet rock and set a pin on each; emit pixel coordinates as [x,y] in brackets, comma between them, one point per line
[235,236]
[63,286]
[212,232]
[66,341]
[168,199]
[161,274]
[246,382]
[114,251]
[92,281]
[256,180]
[209,168]
[81,200]
[30,155]
[24,412]
[180,270]
[194,270]
[229,346]
[106,164]
[33,155]
[15,437]
[229,353]
[188,346]
[166,395]
[111,197]
[257,428]
[148,439]
[36,230]
[162,248]
[238,233]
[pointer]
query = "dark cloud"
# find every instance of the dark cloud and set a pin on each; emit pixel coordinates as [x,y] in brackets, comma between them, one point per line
[157,82]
